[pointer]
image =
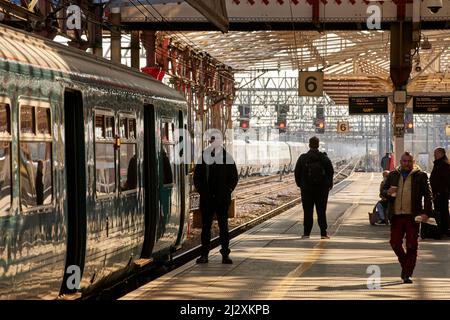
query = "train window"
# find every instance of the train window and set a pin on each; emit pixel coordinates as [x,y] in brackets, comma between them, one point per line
[27,119]
[109,127]
[132,128]
[167,151]
[105,160]
[100,126]
[5,119]
[5,159]
[35,174]
[128,167]
[123,128]
[35,156]
[43,120]
[127,153]
[167,130]
[166,163]
[5,177]
[105,173]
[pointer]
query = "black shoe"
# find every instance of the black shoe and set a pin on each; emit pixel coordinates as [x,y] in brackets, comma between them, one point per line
[226,260]
[407,280]
[202,259]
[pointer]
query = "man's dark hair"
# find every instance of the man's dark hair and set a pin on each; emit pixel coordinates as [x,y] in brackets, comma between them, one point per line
[314,143]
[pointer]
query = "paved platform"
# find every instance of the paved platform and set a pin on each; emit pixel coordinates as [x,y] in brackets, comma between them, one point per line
[272,262]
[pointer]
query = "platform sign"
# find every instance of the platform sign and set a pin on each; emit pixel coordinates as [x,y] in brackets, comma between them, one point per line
[367,105]
[432,104]
[342,126]
[310,83]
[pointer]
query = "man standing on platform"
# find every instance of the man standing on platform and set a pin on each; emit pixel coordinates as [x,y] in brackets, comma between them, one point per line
[405,188]
[314,175]
[440,184]
[215,177]
[386,162]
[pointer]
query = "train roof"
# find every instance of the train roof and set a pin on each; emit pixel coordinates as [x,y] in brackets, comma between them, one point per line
[17,46]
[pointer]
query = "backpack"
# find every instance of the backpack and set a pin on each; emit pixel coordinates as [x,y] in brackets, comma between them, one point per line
[315,172]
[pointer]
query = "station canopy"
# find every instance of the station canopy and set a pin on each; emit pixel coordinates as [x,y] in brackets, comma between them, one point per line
[353,62]
[282,35]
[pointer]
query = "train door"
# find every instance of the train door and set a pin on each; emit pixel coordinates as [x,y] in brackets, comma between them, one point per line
[150,178]
[75,183]
[169,184]
[182,150]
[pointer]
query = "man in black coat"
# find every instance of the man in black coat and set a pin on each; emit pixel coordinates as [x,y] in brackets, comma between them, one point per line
[215,178]
[314,175]
[440,185]
[386,162]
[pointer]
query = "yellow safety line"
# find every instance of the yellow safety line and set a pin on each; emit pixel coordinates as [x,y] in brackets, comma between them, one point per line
[280,291]
[312,258]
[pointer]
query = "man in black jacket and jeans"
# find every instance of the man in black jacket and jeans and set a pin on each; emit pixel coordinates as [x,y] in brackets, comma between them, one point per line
[314,175]
[215,177]
[440,184]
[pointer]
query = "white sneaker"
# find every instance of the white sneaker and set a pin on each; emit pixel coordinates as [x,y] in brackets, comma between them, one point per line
[305,237]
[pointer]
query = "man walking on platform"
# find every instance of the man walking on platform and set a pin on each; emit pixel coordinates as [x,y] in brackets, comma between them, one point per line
[215,177]
[405,188]
[314,175]
[440,185]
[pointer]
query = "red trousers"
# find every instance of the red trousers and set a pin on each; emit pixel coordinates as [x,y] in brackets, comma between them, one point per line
[401,226]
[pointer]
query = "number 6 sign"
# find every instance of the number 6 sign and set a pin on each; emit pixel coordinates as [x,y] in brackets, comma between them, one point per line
[310,83]
[342,126]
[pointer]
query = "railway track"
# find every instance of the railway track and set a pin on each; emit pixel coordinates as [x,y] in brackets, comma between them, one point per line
[278,185]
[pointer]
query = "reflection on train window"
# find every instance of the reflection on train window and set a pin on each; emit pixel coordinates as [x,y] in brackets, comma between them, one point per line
[105,176]
[5,122]
[43,120]
[36,186]
[35,157]
[123,128]
[5,177]
[166,163]
[109,127]
[105,165]
[167,132]
[127,153]
[167,151]
[132,130]
[99,126]
[27,119]
[128,167]
[5,159]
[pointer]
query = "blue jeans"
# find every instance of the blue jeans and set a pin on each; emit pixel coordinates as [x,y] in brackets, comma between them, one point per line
[380,210]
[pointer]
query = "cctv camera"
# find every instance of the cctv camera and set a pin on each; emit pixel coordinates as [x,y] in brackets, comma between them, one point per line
[434,5]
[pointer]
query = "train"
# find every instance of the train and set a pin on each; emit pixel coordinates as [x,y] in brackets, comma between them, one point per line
[89,185]
[256,157]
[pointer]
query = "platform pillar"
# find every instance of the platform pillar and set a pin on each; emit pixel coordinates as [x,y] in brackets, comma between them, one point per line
[116,46]
[400,68]
[135,50]
[149,42]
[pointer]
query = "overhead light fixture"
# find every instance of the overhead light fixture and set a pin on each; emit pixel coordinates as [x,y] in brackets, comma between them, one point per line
[425,45]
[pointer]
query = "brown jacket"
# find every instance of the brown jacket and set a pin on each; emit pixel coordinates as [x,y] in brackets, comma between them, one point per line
[420,189]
